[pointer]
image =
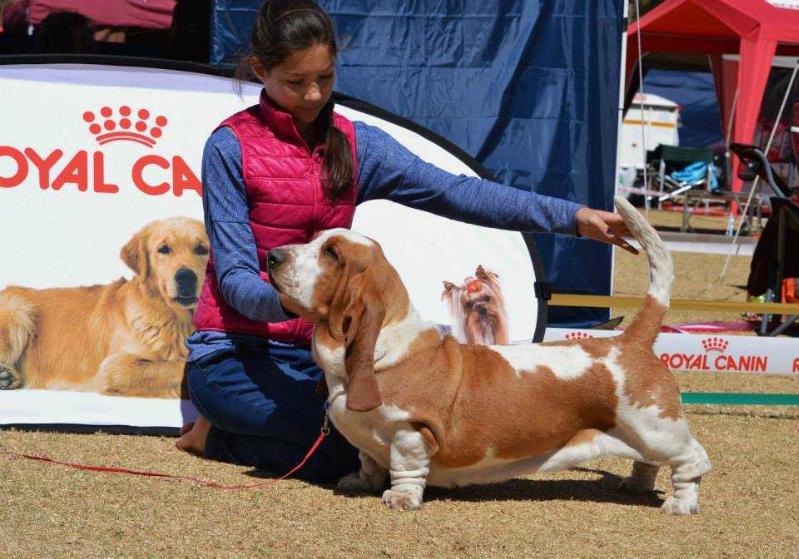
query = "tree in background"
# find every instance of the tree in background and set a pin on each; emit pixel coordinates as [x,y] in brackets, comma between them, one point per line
[645,6]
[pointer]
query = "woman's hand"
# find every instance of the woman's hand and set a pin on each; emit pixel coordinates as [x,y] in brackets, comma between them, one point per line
[603,226]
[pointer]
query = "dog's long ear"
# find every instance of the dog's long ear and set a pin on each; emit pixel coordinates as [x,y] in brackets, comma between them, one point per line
[363,392]
[355,317]
[345,307]
[134,254]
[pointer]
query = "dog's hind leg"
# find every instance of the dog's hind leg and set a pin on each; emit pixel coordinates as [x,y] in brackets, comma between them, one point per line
[17,328]
[666,442]
[686,474]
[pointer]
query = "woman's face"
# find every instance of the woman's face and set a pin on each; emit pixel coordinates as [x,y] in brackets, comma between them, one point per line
[301,85]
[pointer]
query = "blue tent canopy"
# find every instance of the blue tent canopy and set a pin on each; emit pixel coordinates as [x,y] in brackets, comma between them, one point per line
[529,89]
[700,119]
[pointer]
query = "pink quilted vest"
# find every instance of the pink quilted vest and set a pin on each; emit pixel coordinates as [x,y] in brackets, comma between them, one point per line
[286,205]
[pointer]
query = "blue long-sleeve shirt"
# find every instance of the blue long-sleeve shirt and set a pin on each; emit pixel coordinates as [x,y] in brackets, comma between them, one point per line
[386,170]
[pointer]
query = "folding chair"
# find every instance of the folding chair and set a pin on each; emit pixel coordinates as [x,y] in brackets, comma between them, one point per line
[665,161]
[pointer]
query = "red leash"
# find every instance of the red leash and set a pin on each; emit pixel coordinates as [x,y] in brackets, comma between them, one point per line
[197,481]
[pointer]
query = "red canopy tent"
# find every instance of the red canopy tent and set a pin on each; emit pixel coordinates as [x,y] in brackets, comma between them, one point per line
[148,14]
[756,29]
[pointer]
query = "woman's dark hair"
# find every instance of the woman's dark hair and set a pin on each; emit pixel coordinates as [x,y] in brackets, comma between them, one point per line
[282,28]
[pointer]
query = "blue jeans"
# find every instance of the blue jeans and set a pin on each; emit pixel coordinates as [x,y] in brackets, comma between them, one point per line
[261,401]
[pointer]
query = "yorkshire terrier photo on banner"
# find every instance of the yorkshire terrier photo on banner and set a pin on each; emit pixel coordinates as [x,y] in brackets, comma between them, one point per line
[478,309]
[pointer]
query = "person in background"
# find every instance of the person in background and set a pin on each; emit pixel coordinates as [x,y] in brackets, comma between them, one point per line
[14,16]
[14,37]
[278,173]
[190,34]
[64,32]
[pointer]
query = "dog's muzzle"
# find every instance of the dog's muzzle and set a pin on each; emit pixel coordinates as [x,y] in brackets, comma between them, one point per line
[186,282]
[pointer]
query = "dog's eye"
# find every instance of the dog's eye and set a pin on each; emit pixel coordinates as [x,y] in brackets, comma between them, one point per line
[469,306]
[201,250]
[164,249]
[331,252]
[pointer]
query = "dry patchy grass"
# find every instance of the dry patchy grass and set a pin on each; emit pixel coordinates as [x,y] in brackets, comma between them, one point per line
[750,501]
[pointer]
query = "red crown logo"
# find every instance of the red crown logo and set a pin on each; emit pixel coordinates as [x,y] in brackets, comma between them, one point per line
[577,335]
[125,126]
[715,344]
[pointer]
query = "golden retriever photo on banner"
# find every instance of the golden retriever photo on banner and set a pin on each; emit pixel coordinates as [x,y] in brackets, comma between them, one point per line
[125,338]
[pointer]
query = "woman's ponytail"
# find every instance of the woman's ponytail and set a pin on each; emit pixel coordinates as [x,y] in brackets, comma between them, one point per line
[338,158]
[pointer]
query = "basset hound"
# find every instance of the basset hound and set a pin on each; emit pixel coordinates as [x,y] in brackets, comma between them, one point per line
[429,410]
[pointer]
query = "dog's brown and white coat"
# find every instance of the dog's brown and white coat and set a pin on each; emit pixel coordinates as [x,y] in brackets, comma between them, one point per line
[428,410]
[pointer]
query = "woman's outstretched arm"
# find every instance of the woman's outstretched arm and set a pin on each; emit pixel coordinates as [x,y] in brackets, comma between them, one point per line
[387,170]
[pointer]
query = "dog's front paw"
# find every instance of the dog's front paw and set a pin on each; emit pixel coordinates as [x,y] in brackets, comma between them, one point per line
[9,378]
[110,374]
[682,507]
[402,500]
[357,483]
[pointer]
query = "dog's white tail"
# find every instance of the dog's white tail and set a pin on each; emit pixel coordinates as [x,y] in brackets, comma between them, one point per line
[661,272]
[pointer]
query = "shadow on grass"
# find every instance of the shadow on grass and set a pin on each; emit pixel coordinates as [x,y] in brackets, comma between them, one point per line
[602,490]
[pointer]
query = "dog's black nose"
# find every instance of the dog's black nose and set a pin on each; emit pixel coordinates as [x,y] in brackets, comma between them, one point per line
[275,257]
[186,281]
[482,311]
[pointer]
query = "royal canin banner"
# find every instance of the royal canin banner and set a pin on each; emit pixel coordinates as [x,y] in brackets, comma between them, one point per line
[100,185]
[710,353]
